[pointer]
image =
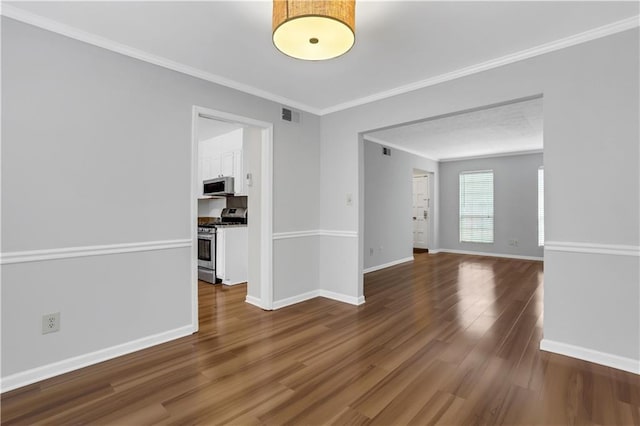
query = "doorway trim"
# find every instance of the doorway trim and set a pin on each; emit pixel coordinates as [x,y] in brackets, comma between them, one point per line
[266,206]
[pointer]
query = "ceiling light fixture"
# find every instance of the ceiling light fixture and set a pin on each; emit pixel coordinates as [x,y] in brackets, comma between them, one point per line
[314,30]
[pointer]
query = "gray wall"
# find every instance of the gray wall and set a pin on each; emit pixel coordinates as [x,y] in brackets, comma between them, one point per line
[103,141]
[388,198]
[592,179]
[96,150]
[515,202]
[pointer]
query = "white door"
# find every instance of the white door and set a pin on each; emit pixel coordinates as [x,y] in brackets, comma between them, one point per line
[421,204]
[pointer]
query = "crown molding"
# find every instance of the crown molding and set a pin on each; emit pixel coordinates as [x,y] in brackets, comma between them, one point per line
[500,154]
[77,34]
[583,37]
[398,147]
[450,159]
[105,43]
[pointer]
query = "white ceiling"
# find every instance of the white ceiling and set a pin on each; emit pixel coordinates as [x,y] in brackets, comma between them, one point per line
[511,128]
[399,45]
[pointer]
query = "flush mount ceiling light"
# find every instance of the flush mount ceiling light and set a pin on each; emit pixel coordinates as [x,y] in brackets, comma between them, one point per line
[312,29]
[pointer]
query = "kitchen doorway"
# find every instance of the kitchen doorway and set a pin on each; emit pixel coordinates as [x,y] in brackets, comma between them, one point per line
[254,175]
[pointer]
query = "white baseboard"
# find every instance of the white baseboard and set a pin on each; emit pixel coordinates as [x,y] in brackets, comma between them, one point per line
[317,293]
[387,265]
[55,369]
[254,301]
[597,357]
[352,300]
[434,251]
[481,253]
[277,304]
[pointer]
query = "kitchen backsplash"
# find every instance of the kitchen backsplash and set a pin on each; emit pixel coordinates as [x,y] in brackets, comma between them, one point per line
[213,207]
[237,201]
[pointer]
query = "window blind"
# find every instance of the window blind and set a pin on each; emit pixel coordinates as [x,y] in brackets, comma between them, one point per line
[540,206]
[476,206]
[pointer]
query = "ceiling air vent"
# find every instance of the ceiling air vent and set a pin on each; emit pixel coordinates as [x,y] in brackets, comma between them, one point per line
[290,115]
[386,151]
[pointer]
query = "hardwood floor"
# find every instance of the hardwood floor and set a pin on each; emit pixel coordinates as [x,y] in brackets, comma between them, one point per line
[449,339]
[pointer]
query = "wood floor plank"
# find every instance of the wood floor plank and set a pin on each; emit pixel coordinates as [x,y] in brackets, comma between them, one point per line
[447,339]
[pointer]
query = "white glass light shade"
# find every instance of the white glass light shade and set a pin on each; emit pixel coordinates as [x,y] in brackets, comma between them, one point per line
[313,30]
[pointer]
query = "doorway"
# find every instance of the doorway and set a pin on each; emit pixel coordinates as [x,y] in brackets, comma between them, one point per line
[256,180]
[421,210]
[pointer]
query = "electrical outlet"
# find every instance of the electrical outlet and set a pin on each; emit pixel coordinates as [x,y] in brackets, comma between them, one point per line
[371,251]
[349,200]
[513,243]
[51,323]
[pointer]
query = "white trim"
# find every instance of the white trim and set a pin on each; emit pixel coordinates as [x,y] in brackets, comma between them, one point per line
[434,251]
[195,190]
[314,233]
[502,154]
[278,304]
[595,33]
[594,248]
[73,252]
[295,234]
[585,354]
[352,300]
[398,147]
[266,202]
[481,253]
[387,265]
[266,216]
[253,301]
[77,34]
[54,369]
[108,44]
[334,233]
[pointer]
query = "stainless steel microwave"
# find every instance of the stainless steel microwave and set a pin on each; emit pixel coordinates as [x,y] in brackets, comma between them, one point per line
[218,186]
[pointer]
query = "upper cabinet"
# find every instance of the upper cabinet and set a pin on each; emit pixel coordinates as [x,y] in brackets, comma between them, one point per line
[222,156]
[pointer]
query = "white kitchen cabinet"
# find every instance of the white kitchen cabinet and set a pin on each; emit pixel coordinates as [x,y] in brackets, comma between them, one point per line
[215,170]
[232,255]
[226,165]
[222,156]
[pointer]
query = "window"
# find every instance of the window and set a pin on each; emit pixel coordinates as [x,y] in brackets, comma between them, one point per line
[476,206]
[540,206]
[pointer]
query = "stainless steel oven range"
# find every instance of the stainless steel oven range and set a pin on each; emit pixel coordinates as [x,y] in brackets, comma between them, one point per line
[207,244]
[207,253]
